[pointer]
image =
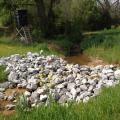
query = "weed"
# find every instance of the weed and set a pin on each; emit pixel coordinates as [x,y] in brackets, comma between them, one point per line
[3,74]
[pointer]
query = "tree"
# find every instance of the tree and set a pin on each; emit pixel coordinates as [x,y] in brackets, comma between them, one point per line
[46,16]
[110,9]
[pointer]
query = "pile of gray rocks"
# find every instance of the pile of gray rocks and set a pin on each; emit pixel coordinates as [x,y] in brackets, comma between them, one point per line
[50,76]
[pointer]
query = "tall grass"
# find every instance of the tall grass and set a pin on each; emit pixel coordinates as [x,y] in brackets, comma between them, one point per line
[104,44]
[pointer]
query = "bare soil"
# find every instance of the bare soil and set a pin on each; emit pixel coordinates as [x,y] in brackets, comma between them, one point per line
[3,103]
[82,59]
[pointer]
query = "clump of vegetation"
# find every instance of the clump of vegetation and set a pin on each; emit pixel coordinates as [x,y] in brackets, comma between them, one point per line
[3,74]
[22,104]
[104,44]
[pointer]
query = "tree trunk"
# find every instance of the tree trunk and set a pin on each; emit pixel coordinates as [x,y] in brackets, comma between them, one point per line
[46,21]
[51,19]
[42,16]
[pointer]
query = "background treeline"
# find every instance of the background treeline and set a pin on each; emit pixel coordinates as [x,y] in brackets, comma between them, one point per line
[50,18]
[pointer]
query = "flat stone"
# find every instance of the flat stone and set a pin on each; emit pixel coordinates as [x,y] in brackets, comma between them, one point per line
[43,98]
[60,86]
[106,71]
[33,70]
[10,107]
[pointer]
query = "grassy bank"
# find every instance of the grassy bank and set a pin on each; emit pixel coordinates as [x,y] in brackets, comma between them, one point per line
[104,44]
[104,107]
[9,47]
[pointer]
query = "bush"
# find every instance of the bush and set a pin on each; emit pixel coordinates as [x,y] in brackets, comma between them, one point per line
[36,35]
[65,44]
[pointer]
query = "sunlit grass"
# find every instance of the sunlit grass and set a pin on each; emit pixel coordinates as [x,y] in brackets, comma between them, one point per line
[9,47]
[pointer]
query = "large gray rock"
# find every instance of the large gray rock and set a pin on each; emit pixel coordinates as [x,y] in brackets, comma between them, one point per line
[117,74]
[13,76]
[83,87]
[5,85]
[71,86]
[31,87]
[74,93]
[34,98]
[32,80]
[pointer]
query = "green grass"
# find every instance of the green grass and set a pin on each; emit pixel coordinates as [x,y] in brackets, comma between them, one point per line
[9,47]
[104,44]
[3,74]
[104,107]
